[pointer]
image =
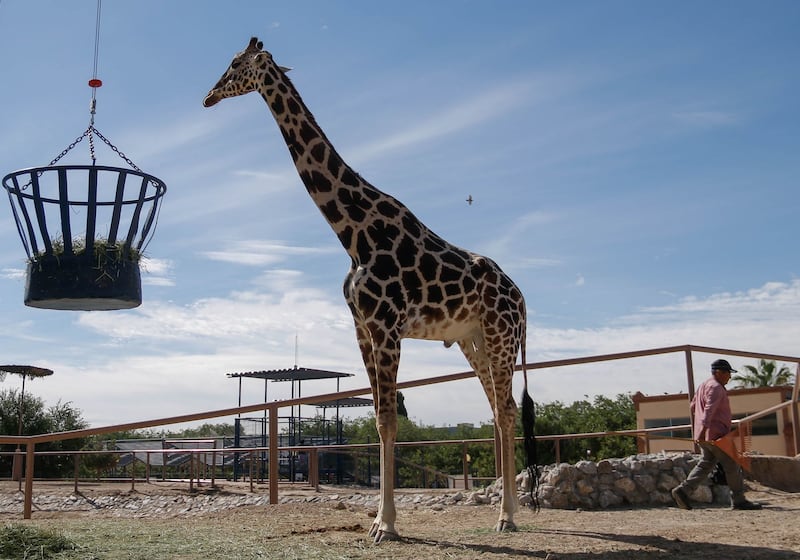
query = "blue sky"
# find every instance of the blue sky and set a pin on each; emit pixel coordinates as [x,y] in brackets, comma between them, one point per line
[633,167]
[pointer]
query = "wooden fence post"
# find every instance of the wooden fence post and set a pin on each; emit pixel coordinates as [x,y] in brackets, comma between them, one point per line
[29,456]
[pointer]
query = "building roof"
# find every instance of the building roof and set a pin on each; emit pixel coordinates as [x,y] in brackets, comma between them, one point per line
[785,389]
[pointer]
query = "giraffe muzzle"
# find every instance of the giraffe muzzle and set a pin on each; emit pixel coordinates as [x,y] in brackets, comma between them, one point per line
[211,99]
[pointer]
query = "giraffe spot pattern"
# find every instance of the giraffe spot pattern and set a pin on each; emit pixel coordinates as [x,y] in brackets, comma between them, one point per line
[318,152]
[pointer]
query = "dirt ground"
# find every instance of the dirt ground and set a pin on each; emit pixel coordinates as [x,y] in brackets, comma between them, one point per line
[332,529]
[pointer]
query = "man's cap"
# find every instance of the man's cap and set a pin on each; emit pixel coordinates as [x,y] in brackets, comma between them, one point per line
[722,364]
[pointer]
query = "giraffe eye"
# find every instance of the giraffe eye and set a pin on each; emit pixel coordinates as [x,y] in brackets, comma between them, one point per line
[235,64]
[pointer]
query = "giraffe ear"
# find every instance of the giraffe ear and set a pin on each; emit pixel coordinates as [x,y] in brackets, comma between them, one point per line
[285,69]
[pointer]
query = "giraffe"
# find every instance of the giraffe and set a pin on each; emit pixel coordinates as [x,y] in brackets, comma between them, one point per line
[404,280]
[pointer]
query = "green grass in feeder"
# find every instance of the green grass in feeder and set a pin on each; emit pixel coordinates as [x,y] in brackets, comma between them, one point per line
[103,251]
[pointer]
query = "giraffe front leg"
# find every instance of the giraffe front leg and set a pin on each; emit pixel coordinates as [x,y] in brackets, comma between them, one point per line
[381,363]
[383,526]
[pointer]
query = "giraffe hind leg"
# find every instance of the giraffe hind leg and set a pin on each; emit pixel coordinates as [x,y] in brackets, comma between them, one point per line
[496,383]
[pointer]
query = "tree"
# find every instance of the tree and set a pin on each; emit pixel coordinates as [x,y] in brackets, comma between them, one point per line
[767,374]
[40,419]
[601,415]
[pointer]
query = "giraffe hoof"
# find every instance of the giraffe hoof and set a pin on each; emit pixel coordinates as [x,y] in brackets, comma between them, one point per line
[505,526]
[380,535]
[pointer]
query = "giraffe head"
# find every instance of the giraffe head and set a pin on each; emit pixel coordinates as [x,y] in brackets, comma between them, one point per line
[246,71]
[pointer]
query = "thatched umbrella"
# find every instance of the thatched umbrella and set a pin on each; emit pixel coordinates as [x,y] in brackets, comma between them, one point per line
[24,372]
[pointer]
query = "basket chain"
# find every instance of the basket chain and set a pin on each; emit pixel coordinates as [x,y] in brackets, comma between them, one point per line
[68,148]
[88,132]
[113,148]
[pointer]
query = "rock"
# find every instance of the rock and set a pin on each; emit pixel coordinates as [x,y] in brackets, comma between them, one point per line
[584,487]
[608,499]
[625,485]
[645,482]
[667,482]
[605,467]
[525,500]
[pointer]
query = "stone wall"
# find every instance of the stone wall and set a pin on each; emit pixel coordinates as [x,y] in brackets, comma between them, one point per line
[639,480]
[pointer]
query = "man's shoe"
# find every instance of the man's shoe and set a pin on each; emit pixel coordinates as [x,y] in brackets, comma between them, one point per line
[680,497]
[747,505]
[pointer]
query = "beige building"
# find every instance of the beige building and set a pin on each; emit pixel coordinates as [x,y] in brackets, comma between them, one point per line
[772,435]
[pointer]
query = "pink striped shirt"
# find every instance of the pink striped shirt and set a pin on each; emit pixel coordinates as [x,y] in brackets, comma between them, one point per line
[712,410]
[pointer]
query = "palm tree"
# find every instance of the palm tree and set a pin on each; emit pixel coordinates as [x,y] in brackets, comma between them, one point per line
[766,375]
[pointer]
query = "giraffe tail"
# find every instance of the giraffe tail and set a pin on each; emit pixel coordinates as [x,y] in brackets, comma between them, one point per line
[529,442]
[528,433]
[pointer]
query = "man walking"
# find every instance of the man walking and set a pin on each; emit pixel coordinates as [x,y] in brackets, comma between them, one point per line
[711,413]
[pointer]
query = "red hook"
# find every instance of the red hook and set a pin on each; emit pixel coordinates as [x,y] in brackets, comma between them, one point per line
[95,82]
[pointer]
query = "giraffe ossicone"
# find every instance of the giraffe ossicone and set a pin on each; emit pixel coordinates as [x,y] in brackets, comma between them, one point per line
[404,281]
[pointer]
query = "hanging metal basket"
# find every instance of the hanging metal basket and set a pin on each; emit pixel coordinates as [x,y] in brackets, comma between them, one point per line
[84,229]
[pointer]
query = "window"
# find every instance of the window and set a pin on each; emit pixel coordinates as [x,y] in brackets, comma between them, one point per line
[764,426]
[660,422]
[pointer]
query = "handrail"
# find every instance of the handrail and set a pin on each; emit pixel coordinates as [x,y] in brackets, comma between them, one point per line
[60,436]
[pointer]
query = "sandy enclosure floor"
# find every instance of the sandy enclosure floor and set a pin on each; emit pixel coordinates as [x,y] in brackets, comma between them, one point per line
[333,523]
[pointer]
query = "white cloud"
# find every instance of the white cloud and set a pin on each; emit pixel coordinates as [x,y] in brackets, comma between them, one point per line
[13,273]
[260,253]
[772,302]
[249,330]
[470,112]
[157,272]
[157,281]
[241,317]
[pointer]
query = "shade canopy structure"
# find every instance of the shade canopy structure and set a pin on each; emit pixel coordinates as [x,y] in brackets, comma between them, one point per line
[349,402]
[26,371]
[292,374]
[296,375]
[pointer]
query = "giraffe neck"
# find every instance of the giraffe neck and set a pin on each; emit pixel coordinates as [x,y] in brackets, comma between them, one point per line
[345,199]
